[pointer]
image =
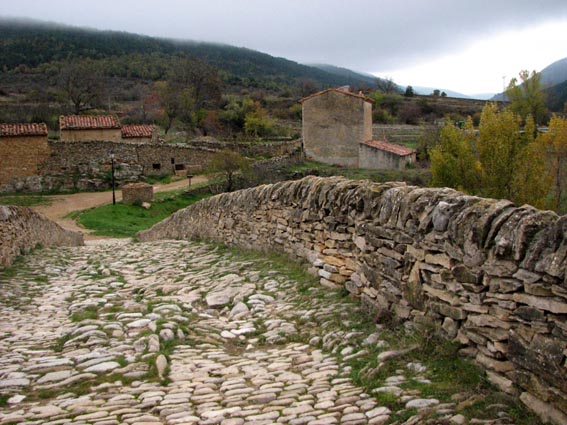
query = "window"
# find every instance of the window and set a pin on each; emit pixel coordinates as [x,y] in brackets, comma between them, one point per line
[156,166]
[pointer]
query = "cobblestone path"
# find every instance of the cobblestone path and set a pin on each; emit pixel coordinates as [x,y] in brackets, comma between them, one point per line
[183,333]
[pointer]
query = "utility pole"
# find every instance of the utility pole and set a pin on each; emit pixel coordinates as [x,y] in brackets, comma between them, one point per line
[112,174]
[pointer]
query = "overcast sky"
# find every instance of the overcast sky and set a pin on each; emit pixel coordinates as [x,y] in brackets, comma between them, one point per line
[462,45]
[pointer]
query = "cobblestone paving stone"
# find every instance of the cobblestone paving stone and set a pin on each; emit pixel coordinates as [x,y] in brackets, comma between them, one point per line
[175,332]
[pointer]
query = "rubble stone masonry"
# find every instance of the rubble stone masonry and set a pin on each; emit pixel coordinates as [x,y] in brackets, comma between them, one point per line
[22,156]
[22,229]
[491,275]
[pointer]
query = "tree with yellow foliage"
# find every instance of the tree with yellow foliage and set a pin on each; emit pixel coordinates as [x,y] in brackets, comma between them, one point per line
[528,97]
[500,146]
[453,160]
[553,144]
[531,178]
[502,161]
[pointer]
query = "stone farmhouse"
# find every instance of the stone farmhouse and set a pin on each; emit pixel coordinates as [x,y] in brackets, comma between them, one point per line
[139,133]
[378,155]
[337,129]
[23,147]
[79,128]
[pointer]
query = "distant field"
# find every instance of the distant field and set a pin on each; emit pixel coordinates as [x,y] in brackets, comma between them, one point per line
[414,176]
[24,200]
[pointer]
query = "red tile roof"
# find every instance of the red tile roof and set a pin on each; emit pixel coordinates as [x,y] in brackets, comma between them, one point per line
[34,129]
[341,90]
[390,147]
[88,122]
[137,130]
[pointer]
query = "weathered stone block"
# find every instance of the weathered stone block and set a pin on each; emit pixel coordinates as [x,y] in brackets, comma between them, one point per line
[504,285]
[137,193]
[555,305]
[494,364]
[439,259]
[545,410]
[449,311]
[442,295]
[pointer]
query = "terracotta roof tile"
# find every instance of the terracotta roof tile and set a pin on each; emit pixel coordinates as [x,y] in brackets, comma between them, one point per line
[341,90]
[137,130]
[88,122]
[34,129]
[390,147]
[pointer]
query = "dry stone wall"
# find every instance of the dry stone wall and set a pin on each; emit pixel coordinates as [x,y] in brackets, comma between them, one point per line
[491,275]
[22,229]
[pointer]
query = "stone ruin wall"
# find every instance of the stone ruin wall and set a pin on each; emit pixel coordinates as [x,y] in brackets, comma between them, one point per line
[492,276]
[22,229]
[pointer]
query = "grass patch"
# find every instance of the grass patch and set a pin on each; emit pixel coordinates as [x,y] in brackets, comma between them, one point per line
[22,200]
[4,400]
[60,343]
[88,313]
[125,221]
[165,179]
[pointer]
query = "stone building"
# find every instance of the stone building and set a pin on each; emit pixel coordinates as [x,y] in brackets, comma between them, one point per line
[23,148]
[139,133]
[374,154]
[83,128]
[335,122]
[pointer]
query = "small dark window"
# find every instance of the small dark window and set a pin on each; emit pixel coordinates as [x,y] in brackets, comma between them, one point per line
[179,167]
[173,160]
[156,166]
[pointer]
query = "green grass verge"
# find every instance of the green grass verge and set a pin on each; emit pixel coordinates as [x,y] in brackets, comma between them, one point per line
[123,221]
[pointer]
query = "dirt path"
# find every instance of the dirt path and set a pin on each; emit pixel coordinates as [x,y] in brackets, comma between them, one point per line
[61,205]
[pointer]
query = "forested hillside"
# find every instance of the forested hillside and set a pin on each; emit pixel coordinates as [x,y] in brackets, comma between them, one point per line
[29,44]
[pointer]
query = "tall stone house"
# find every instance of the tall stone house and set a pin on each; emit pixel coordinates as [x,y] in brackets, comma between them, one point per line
[84,128]
[337,129]
[23,148]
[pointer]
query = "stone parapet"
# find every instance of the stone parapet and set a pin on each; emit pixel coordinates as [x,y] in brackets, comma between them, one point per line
[22,229]
[491,275]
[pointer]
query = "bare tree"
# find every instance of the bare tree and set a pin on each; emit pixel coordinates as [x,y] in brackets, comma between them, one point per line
[387,85]
[82,84]
[191,85]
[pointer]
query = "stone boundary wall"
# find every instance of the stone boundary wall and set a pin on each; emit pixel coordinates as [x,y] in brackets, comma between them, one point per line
[22,229]
[275,148]
[491,275]
[272,170]
[86,165]
[400,133]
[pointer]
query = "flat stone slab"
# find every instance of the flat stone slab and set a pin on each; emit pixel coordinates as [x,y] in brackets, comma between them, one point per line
[55,376]
[102,367]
